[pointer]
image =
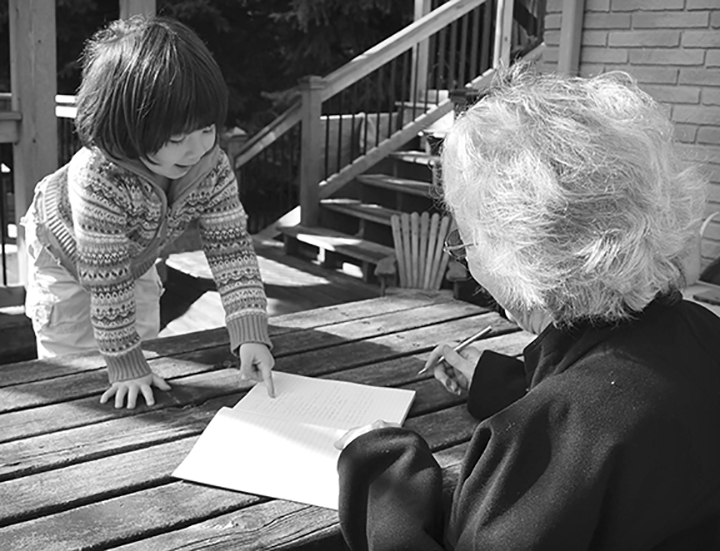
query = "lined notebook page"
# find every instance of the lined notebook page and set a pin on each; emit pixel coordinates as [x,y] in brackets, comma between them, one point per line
[261,455]
[327,402]
[284,447]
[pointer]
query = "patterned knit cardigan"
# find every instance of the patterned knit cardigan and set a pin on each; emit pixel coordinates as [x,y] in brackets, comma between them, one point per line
[107,220]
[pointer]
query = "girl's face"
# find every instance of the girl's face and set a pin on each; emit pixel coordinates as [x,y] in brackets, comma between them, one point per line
[181,153]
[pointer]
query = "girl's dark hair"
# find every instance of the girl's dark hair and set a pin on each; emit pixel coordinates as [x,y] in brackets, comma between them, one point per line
[144,81]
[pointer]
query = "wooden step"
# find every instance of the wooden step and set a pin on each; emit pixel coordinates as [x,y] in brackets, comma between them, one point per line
[358,209]
[413,187]
[338,242]
[416,157]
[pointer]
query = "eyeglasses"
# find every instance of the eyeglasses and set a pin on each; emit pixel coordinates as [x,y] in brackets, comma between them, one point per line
[455,247]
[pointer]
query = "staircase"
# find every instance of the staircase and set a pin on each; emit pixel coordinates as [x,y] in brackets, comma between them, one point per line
[343,217]
[354,232]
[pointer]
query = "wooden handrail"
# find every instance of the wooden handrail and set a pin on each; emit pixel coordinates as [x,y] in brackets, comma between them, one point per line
[357,167]
[401,41]
[360,67]
[289,118]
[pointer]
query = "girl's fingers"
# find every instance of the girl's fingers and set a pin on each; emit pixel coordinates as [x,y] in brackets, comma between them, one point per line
[250,373]
[160,383]
[148,395]
[269,384]
[109,393]
[120,397]
[132,397]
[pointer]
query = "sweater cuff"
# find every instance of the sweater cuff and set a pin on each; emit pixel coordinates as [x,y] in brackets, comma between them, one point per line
[131,365]
[248,328]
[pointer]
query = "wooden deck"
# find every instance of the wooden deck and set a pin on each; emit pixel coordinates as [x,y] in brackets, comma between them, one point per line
[191,303]
[81,475]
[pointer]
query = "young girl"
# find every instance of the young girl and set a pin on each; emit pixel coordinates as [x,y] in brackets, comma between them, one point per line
[149,107]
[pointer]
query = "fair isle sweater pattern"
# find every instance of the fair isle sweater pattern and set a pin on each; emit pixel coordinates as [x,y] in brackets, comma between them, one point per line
[107,221]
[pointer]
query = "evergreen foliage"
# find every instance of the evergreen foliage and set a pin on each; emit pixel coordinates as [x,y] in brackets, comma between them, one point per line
[262,46]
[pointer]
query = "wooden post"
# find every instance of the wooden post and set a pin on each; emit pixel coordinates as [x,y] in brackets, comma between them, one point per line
[420,56]
[33,70]
[128,8]
[571,36]
[503,32]
[311,140]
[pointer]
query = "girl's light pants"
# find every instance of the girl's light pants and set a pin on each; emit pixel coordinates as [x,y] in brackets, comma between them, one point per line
[59,306]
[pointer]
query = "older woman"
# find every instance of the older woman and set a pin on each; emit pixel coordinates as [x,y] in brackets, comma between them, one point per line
[576,214]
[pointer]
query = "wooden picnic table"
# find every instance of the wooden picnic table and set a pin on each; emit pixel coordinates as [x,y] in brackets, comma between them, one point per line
[75,474]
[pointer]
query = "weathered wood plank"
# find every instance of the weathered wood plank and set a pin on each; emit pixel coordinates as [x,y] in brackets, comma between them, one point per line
[112,436]
[68,447]
[368,328]
[182,515]
[198,388]
[84,384]
[332,240]
[357,209]
[47,419]
[79,474]
[125,433]
[388,346]
[36,370]
[403,185]
[91,481]
[389,371]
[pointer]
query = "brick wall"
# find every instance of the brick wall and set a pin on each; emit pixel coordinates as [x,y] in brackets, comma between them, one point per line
[672,47]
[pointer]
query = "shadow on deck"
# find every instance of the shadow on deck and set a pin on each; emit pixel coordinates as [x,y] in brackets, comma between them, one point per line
[192,303]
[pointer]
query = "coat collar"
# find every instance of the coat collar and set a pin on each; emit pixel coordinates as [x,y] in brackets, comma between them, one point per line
[554,350]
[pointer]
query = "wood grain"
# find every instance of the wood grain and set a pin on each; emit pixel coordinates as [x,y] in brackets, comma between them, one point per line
[79,474]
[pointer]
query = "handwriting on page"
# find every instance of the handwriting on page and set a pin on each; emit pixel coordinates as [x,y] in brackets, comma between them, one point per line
[261,444]
[316,401]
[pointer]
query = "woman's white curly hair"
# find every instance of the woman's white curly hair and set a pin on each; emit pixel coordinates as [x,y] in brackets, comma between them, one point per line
[574,193]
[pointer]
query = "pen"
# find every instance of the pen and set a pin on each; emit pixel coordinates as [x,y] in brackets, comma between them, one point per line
[460,346]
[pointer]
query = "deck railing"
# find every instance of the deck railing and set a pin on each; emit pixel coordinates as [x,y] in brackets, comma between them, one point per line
[345,122]
[68,143]
[342,124]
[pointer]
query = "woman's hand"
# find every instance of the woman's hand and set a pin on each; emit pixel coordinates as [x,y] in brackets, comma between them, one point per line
[131,388]
[256,363]
[456,371]
[352,434]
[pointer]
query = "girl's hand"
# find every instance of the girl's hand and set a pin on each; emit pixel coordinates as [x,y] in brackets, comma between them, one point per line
[131,388]
[456,371]
[352,434]
[256,363]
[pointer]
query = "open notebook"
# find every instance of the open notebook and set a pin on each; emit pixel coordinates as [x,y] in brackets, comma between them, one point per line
[284,447]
